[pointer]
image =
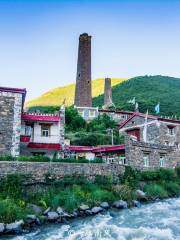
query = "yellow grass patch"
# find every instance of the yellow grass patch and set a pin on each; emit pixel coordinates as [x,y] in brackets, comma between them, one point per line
[56,96]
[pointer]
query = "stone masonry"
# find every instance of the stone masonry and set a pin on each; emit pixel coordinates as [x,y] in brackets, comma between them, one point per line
[107,92]
[135,150]
[83,96]
[38,171]
[10,123]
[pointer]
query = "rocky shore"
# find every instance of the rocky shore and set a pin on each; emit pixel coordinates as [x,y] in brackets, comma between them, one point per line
[59,215]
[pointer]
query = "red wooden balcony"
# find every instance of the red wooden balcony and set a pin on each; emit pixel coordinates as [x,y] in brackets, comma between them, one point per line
[25,138]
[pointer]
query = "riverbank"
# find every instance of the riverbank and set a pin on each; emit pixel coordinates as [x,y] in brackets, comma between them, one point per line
[74,197]
[161,222]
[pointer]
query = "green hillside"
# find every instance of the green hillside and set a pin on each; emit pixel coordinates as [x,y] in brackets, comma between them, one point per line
[148,91]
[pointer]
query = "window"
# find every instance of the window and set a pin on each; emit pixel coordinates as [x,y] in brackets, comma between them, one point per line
[171,130]
[162,160]
[176,144]
[81,112]
[45,130]
[122,160]
[146,159]
[166,143]
[91,113]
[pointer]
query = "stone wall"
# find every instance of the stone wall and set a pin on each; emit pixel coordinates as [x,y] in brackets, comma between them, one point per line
[10,123]
[38,171]
[135,150]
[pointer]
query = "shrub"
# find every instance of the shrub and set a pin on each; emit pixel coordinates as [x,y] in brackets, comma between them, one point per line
[130,177]
[105,181]
[123,192]
[99,195]
[158,175]
[10,211]
[172,188]
[70,198]
[177,170]
[11,186]
[155,191]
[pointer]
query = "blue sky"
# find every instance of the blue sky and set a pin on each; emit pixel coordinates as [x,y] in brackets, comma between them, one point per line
[39,40]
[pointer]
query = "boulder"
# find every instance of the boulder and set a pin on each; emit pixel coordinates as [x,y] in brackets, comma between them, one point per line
[30,219]
[2,228]
[52,216]
[140,195]
[75,214]
[88,212]
[83,207]
[15,227]
[120,204]
[96,210]
[36,209]
[60,211]
[104,205]
[46,211]
[136,203]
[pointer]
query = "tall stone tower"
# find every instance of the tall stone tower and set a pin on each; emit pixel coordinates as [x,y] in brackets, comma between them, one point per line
[83,97]
[107,92]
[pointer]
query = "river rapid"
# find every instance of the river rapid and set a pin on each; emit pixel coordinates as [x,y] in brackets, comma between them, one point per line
[154,221]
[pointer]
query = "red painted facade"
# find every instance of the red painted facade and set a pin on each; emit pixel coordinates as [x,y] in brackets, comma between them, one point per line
[41,118]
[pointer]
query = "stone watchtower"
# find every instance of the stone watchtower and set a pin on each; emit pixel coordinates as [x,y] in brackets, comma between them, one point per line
[83,96]
[107,92]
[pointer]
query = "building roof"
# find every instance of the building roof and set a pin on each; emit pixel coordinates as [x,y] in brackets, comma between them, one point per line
[109,148]
[95,149]
[40,117]
[15,90]
[122,124]
[115,111]
[48,146]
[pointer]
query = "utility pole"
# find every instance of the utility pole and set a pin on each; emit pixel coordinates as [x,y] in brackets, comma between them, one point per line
[111,131]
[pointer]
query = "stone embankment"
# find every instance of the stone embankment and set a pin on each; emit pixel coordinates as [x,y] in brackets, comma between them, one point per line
[60,216]
[39,170]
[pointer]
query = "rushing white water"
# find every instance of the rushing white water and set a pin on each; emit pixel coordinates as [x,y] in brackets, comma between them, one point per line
[156,221]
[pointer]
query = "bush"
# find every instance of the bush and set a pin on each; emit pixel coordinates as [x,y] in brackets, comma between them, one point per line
[158,175]
[11,186]
[177,170]
[104,181]
[131,177]
[123,192]
[98,196]
[70,198]
[155,191]
[10,211]
[172,188]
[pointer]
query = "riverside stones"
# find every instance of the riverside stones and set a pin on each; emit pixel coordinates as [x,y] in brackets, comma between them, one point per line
[96,210]
[46,211]
[136,203]
[52,216]
[120,204]
[83,207]
[2,228]
[36,209]
[60,211]
[15,227]
[104,205]
[140,195]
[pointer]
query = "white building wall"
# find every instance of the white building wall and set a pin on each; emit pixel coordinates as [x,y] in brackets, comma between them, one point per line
[54,134]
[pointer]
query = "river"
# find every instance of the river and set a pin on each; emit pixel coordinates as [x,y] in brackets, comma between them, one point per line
[154,221]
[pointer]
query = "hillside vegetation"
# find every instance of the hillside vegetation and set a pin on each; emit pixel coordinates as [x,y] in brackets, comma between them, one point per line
[56,96]
[148,91]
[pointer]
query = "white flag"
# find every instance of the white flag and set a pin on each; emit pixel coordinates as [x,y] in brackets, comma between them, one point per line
[145,128]
[132,101]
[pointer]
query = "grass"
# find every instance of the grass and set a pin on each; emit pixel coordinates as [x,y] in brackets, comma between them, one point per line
[55,97]
[71,191]
[47,159]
